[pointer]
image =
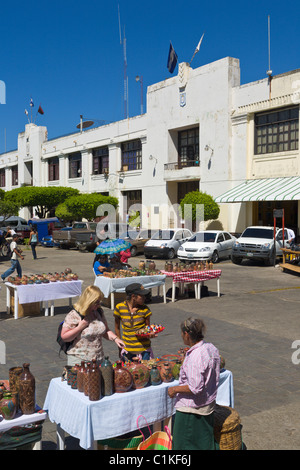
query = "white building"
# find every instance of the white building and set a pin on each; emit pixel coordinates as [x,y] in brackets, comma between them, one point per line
[202,130]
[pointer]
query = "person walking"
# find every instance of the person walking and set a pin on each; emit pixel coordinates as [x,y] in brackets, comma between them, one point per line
[15,264]
[33,241]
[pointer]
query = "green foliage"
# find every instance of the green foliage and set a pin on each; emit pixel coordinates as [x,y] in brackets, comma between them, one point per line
[85,205]
[194,198]
[43,198]
[8,209]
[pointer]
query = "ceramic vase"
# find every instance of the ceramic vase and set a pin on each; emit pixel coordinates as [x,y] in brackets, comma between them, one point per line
[140,374]
[80,376]
[27,391]
[94,382]
[107,377]
[166,372]
[86,379]
[8,406]
[122,378]
[176,369]
[155,375]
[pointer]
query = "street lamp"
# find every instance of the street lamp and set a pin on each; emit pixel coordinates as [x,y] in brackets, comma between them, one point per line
[140,79]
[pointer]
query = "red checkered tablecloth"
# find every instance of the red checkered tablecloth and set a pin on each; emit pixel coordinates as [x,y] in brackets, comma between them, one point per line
[194,276]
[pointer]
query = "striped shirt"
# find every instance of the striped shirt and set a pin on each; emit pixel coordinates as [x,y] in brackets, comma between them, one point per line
[131,323]
[201,372]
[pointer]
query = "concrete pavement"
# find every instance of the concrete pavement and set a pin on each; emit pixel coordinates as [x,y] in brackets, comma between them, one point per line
[254,324]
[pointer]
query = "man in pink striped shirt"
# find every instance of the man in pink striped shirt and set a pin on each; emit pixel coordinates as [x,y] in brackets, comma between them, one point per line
[197,390]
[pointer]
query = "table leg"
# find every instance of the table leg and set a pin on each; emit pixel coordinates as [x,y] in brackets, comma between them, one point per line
[60,436]
[52,308]
[218,284]
[46,308]
[173,291]
[112,301]
[7,300]
[164,292]
[196,290]
[70,302]
[16,305]
[199,290]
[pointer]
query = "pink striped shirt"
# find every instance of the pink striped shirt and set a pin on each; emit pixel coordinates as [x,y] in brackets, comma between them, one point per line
[201,372]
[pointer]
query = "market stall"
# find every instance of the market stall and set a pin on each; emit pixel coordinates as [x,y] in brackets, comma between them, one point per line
[111,285]
[116,414]
[195,277]
[291,260]
[35,289]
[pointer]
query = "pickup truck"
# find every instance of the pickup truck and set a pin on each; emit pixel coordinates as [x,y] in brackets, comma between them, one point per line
[257,242]
[81,235]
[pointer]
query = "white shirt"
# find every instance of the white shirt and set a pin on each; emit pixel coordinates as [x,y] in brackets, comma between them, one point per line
[13,246]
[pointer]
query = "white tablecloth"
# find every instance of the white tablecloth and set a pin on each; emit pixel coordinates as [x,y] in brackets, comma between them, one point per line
[108,285]
[117,414]
[30,293]
[22,420]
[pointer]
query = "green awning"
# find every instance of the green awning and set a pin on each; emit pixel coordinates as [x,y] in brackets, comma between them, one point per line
[266,189]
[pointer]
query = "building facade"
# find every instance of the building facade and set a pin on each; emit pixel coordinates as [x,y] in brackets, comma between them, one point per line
[202,130]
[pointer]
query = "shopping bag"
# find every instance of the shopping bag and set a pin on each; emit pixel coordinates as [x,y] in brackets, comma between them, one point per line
[160,440]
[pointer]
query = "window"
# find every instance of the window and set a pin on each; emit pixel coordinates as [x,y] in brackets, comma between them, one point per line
[75,165]
[2,178]
[188,148]
[53,169]
[100,160]
[277,131]
[14,175]
[132,155]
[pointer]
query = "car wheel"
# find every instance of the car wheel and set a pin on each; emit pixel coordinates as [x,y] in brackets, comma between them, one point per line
[171,254]
[133,250]
[5,250]
[215,257]
[236,260]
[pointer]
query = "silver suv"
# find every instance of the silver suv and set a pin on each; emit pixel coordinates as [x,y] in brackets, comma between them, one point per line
[258,243]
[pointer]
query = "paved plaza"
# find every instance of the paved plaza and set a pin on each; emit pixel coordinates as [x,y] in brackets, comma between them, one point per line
[254,324]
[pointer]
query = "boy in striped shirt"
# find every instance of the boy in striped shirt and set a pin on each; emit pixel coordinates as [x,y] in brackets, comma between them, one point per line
[132,315]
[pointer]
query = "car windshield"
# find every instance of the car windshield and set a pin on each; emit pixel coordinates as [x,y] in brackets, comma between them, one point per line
[163,235]
[258,233]
[207,237]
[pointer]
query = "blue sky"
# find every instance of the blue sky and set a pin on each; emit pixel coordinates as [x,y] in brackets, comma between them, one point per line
[67,55]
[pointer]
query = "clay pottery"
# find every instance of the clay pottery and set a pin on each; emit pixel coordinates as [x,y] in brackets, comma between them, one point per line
[140,373]
[80,375]
[107,377]
[14,378]
[86,379]
[166,372]
[27,391]
[122,378]
[142,265]
[170,267]
[2,388]
[94,382]
[8,406]
[155,375]
[176,369]
[68,271]
[72,377]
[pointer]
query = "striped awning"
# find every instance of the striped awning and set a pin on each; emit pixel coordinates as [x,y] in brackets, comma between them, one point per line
[266,189]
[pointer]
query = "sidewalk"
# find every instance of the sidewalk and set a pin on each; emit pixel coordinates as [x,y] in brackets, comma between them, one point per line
[253,323]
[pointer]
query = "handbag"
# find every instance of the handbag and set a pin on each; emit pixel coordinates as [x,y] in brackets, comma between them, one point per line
[159,440]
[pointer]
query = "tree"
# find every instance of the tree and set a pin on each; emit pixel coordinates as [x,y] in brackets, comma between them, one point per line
[194,201]
[84,206]
[8,209]
[43,198]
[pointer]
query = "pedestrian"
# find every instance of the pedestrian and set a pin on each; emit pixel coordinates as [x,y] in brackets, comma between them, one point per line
[33,241]
[132,315]
[15,264]
[85,326]
[195,396]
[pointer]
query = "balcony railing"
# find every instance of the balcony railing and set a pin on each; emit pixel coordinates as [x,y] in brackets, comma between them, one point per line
[179,165]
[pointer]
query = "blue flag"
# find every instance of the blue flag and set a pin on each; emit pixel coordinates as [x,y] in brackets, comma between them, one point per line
[172,59]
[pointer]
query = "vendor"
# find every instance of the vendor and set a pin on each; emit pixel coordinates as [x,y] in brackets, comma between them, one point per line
[133,315]
[117,263]
[197,391]
[86,325]
[125,255]
[101,264]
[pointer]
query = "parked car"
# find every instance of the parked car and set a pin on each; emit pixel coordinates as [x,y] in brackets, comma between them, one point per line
[48,241]
[137,238]
[257,242]
[207,245]
[165,242]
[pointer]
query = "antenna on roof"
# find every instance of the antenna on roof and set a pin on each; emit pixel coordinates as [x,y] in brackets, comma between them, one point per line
[269,71]
[125,67]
